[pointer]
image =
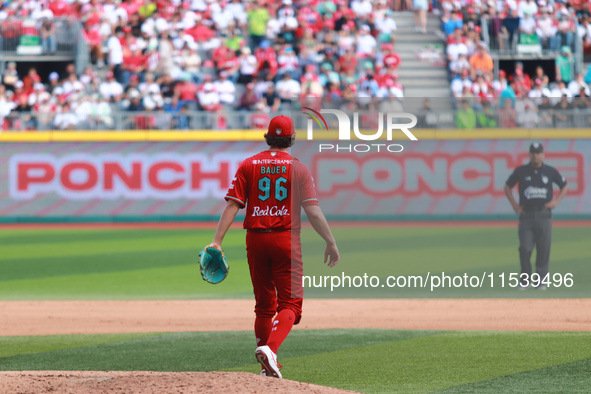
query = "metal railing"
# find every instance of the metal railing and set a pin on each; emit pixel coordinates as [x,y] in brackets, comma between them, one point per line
[482,117]
[511,41]
[31,37]
[555,118]
[126,120]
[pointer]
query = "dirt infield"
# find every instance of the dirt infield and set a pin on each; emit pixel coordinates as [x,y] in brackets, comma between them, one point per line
[102,317]
[92,317]
[119,382]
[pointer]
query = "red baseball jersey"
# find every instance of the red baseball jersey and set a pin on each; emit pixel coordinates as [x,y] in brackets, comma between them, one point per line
[273,186]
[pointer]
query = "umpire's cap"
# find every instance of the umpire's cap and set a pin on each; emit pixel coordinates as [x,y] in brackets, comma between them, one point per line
[536,147]
[281,126]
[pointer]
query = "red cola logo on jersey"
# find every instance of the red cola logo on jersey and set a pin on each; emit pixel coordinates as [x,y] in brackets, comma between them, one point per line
[270,211]
[345,126]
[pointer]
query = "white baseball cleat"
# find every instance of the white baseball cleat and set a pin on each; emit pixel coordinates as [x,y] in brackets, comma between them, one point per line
[268,360]
[263,373]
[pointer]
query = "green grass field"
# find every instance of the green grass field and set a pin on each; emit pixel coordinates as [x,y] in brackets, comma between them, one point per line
[103,264]
[363,360]
[161,264]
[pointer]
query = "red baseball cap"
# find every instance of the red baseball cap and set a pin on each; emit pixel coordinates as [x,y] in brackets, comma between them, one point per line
[281,126]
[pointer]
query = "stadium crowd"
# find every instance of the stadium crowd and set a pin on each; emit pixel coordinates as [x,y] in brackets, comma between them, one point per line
[164,59]
[172,57]
[480,97]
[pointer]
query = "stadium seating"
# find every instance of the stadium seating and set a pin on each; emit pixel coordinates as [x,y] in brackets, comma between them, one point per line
[167,58]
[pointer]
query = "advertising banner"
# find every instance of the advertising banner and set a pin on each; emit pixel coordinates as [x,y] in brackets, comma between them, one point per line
[451,178]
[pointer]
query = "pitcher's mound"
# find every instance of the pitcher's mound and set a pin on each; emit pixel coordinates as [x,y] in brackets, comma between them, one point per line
[95,382]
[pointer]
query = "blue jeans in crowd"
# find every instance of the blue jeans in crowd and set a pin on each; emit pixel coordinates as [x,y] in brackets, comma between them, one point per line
[566,38]
[49,44]
[551,43]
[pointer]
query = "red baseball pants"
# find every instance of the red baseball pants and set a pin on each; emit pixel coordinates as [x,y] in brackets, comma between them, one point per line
[276,269]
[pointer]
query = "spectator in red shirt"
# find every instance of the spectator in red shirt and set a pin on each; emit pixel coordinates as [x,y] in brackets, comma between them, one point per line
[127,41]
[526,80]
[266,60]
[19,92]
[94,17]
[10,30]
[348,61]
[520,86]
[59,8]
[308,13]
[186,91]
[30,80]
[391,59]
[200,32]
[134,64]
[326,22]
[220,54]
[343,16]
[227,60]
[131,7]
[95,41]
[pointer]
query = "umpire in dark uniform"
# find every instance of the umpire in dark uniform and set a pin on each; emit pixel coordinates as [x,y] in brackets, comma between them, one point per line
[535,209]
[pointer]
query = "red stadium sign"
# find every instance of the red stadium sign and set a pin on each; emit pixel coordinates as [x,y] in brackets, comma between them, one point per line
[439,174]
[173,176]
[114,176]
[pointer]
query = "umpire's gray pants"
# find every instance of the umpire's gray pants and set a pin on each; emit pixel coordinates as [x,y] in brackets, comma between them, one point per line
[535,229]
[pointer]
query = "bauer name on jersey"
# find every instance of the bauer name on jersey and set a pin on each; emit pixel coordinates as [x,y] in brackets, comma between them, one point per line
[273,186]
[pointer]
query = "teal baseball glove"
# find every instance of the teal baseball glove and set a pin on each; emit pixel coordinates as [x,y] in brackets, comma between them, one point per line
[213,265]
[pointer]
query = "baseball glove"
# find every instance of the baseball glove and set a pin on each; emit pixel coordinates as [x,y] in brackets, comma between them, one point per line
[213,265]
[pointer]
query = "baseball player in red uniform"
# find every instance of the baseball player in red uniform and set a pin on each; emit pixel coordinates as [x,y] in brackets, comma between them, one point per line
[273,186]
